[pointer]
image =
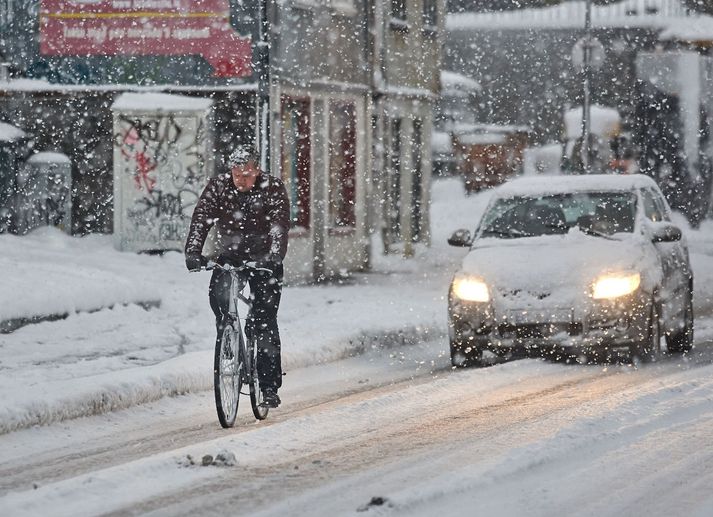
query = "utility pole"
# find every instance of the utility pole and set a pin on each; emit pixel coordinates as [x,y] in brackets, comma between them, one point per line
[586,97]
[261,66]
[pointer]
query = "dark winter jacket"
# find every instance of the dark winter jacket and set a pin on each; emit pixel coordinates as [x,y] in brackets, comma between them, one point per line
[250,225]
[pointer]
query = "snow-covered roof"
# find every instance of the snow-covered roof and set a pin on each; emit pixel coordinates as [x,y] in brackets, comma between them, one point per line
[605,121]
[699,28]
[482,138]
[49,157]
[465,128]
[9,133]
[671,16]
[160,101]
[545,185]
[458,82]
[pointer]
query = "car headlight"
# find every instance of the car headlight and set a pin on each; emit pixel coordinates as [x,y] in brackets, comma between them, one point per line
[615,285]
[471,289]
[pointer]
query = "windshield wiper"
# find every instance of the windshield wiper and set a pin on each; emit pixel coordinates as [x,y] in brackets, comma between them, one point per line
[511,233]
[596,233]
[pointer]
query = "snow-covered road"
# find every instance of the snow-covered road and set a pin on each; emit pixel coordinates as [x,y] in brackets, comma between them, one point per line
[369,425]
[525,437]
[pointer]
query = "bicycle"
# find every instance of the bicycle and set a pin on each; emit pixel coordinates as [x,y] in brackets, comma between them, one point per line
[235,362]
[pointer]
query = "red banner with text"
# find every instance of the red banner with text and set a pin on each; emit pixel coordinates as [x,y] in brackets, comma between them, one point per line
[146,27]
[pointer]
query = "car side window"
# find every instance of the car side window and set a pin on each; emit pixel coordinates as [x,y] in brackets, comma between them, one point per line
[651,208]
[661,204]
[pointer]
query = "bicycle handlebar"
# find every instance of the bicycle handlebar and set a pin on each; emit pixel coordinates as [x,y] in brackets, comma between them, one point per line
[252,266]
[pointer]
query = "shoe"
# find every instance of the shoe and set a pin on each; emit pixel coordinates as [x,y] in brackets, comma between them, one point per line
[270,398]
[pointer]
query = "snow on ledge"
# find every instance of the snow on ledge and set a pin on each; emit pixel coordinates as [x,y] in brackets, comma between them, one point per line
[49,157]
[9,133]
[160,101]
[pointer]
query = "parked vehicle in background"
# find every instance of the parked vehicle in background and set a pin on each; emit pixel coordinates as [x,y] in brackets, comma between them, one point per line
[611,150]
[488,155]
[585,266]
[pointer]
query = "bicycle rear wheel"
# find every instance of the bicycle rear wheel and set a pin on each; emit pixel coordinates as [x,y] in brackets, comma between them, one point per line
[228,375]
[259,410]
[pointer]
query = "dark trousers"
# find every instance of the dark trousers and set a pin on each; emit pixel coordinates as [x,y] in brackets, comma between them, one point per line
[261,321]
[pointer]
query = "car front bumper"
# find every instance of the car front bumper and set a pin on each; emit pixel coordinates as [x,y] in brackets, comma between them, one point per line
[593,327]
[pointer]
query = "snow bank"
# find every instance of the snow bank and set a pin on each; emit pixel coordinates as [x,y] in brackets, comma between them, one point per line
[48,272]
[114,358]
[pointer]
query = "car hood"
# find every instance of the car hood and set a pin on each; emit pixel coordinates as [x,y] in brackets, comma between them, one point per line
[555,270]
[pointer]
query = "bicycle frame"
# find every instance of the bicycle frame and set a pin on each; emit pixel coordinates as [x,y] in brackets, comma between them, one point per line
[247,352]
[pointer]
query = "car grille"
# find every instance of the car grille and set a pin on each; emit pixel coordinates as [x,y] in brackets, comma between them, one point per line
[538,330]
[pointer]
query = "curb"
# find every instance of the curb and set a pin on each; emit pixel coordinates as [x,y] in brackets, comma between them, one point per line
[179,376]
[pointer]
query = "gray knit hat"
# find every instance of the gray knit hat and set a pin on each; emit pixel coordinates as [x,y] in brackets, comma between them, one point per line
[242,154]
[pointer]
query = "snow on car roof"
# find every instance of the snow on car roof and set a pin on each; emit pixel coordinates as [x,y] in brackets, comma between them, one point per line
[543,185]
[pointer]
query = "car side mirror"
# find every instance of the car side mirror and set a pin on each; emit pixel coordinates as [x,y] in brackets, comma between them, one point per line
[665,232]
[460,238]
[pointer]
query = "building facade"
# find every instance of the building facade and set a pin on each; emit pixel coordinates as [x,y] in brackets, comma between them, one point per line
[406,84]
[353,86]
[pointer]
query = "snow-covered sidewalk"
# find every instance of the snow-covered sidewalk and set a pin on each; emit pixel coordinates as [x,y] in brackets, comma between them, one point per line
[123,354]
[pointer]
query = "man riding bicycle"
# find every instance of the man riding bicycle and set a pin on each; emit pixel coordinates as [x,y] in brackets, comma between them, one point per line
[250,210]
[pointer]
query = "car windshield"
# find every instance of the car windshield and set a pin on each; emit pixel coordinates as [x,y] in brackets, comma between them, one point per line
[595,213]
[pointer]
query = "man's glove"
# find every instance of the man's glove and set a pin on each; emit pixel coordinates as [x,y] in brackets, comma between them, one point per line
[194,261]
[271,262]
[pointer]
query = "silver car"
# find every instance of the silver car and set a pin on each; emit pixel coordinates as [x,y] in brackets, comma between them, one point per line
[575,266]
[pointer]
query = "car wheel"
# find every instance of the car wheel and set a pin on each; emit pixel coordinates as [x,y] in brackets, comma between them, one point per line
[648,349]
[682,341]
[465,354]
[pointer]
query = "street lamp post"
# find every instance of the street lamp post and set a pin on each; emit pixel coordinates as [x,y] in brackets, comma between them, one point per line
[261,64]
[586,148]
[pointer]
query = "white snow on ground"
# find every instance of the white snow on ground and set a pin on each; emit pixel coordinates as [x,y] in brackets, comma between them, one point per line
[318,432]
[115,358]
[643,427]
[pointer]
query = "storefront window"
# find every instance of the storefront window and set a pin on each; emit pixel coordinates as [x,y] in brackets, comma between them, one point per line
[342,164]
[296,149]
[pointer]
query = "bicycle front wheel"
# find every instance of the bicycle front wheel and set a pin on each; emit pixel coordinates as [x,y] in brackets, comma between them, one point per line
[259,409]
[227,375]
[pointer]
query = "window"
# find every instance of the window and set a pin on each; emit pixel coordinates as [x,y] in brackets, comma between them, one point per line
[342,164]
[651,208]
[430,14]
[296,158]
[6,14]
[417,189]
[398,10]
[393,217]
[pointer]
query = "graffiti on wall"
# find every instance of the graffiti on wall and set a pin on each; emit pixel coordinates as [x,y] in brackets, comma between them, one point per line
[162,171]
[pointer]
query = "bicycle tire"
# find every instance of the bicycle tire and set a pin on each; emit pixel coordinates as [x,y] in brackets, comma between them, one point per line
[227,356]
[260,411]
